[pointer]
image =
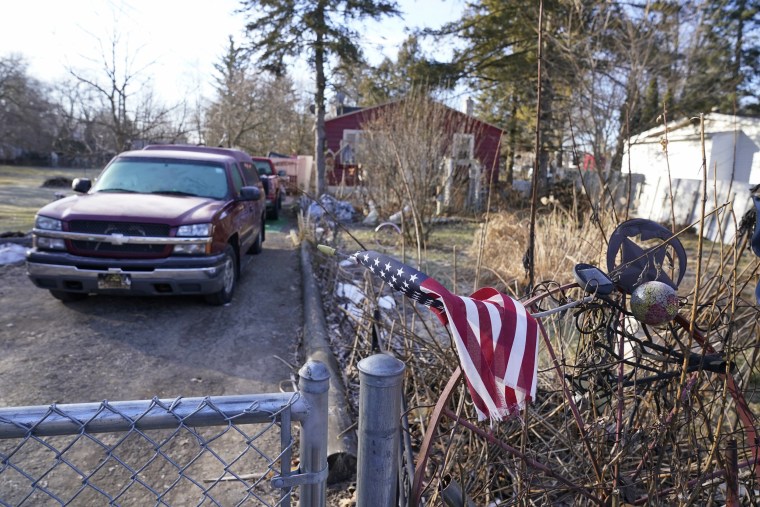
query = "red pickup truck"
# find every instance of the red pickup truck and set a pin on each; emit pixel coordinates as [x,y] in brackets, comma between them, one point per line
[161,221]
[273,185]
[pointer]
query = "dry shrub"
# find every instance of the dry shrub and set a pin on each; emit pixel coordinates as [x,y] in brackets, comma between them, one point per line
[404,150]
[561,242]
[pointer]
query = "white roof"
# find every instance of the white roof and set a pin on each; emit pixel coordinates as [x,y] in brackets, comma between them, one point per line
[688,128]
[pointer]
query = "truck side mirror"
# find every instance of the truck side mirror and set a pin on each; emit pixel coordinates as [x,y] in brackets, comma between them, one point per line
[250,193]
[81,185]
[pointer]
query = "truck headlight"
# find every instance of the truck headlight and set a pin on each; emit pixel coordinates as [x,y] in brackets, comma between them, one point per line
[44,243]
[195,230]
[191,249]
[49,224]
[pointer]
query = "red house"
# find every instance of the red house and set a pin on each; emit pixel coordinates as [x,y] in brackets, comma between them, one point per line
[470,139]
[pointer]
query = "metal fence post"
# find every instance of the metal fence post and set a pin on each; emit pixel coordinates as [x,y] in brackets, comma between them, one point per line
[380,388]
[314,384]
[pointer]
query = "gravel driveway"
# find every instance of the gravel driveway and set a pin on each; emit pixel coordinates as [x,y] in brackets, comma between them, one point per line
[131,348]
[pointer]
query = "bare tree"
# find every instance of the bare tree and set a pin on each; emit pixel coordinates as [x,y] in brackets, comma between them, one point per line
[78,137]
[127,109]
[25,112]
[288,126]
[301,133]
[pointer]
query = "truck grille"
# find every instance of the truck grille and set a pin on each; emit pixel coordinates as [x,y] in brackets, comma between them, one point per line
[125,228]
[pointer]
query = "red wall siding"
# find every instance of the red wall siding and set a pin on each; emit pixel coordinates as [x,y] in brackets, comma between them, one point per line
[487,137]
[334,128]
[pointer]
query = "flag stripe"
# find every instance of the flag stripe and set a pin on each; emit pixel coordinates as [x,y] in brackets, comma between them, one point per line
[471,371]
[515,361]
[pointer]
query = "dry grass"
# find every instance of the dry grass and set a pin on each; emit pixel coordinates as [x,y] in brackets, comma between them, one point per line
[561,242]
[22,193]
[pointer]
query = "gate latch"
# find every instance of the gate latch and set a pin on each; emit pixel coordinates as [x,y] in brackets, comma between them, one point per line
[299,479]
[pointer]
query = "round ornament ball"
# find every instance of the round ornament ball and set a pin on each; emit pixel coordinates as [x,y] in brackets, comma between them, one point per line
[654,303]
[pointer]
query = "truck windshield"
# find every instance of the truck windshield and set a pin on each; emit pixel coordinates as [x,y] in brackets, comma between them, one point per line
[263,168]
[173,177]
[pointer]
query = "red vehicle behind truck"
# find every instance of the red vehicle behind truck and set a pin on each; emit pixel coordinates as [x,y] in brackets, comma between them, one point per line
[273,185]
[167,220]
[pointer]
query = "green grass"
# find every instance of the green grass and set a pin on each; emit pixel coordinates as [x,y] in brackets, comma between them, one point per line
[437,259]
[22,194]
[443,236]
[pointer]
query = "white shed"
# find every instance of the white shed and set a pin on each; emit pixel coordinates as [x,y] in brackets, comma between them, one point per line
[732,148]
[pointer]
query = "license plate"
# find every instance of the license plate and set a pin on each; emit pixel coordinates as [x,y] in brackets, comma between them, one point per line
[114,281]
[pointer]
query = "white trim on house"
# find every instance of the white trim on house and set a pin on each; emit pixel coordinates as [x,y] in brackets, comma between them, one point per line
[463,147]
[350,145]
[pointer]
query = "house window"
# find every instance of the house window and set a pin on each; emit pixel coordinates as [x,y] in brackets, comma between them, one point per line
[350,146]
[463,147]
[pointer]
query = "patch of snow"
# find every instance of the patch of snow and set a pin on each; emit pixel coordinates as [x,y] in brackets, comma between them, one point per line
[341,210]
[386,302]
[397,216]
[354,311]
[372,217]
[350,292]
[11,253]
[356,296]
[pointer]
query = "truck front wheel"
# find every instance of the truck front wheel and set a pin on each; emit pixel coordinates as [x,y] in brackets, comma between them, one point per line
[229,277]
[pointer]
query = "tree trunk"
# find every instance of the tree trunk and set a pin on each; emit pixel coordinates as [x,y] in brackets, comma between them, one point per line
[546,123]
[512,142]
[319,130]
[736,76]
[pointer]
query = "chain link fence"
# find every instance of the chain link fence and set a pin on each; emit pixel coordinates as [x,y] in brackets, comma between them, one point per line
[226,450]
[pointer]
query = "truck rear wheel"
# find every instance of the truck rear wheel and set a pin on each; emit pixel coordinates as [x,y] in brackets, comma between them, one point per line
[276,207]
[229,277]
[68,297]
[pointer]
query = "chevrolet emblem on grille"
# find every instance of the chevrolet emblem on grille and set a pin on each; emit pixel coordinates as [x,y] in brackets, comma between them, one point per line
[116,239]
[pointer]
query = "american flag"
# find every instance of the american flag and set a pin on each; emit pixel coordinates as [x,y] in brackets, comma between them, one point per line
[496,339]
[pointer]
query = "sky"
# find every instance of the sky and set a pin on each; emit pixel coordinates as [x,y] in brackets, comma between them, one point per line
[175,41]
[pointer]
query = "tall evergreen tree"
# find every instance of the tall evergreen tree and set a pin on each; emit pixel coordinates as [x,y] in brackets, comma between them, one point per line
[232,114]
[252,109]
[651,108]
[411,70]
[724,72]
[498,57]
[321,29]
